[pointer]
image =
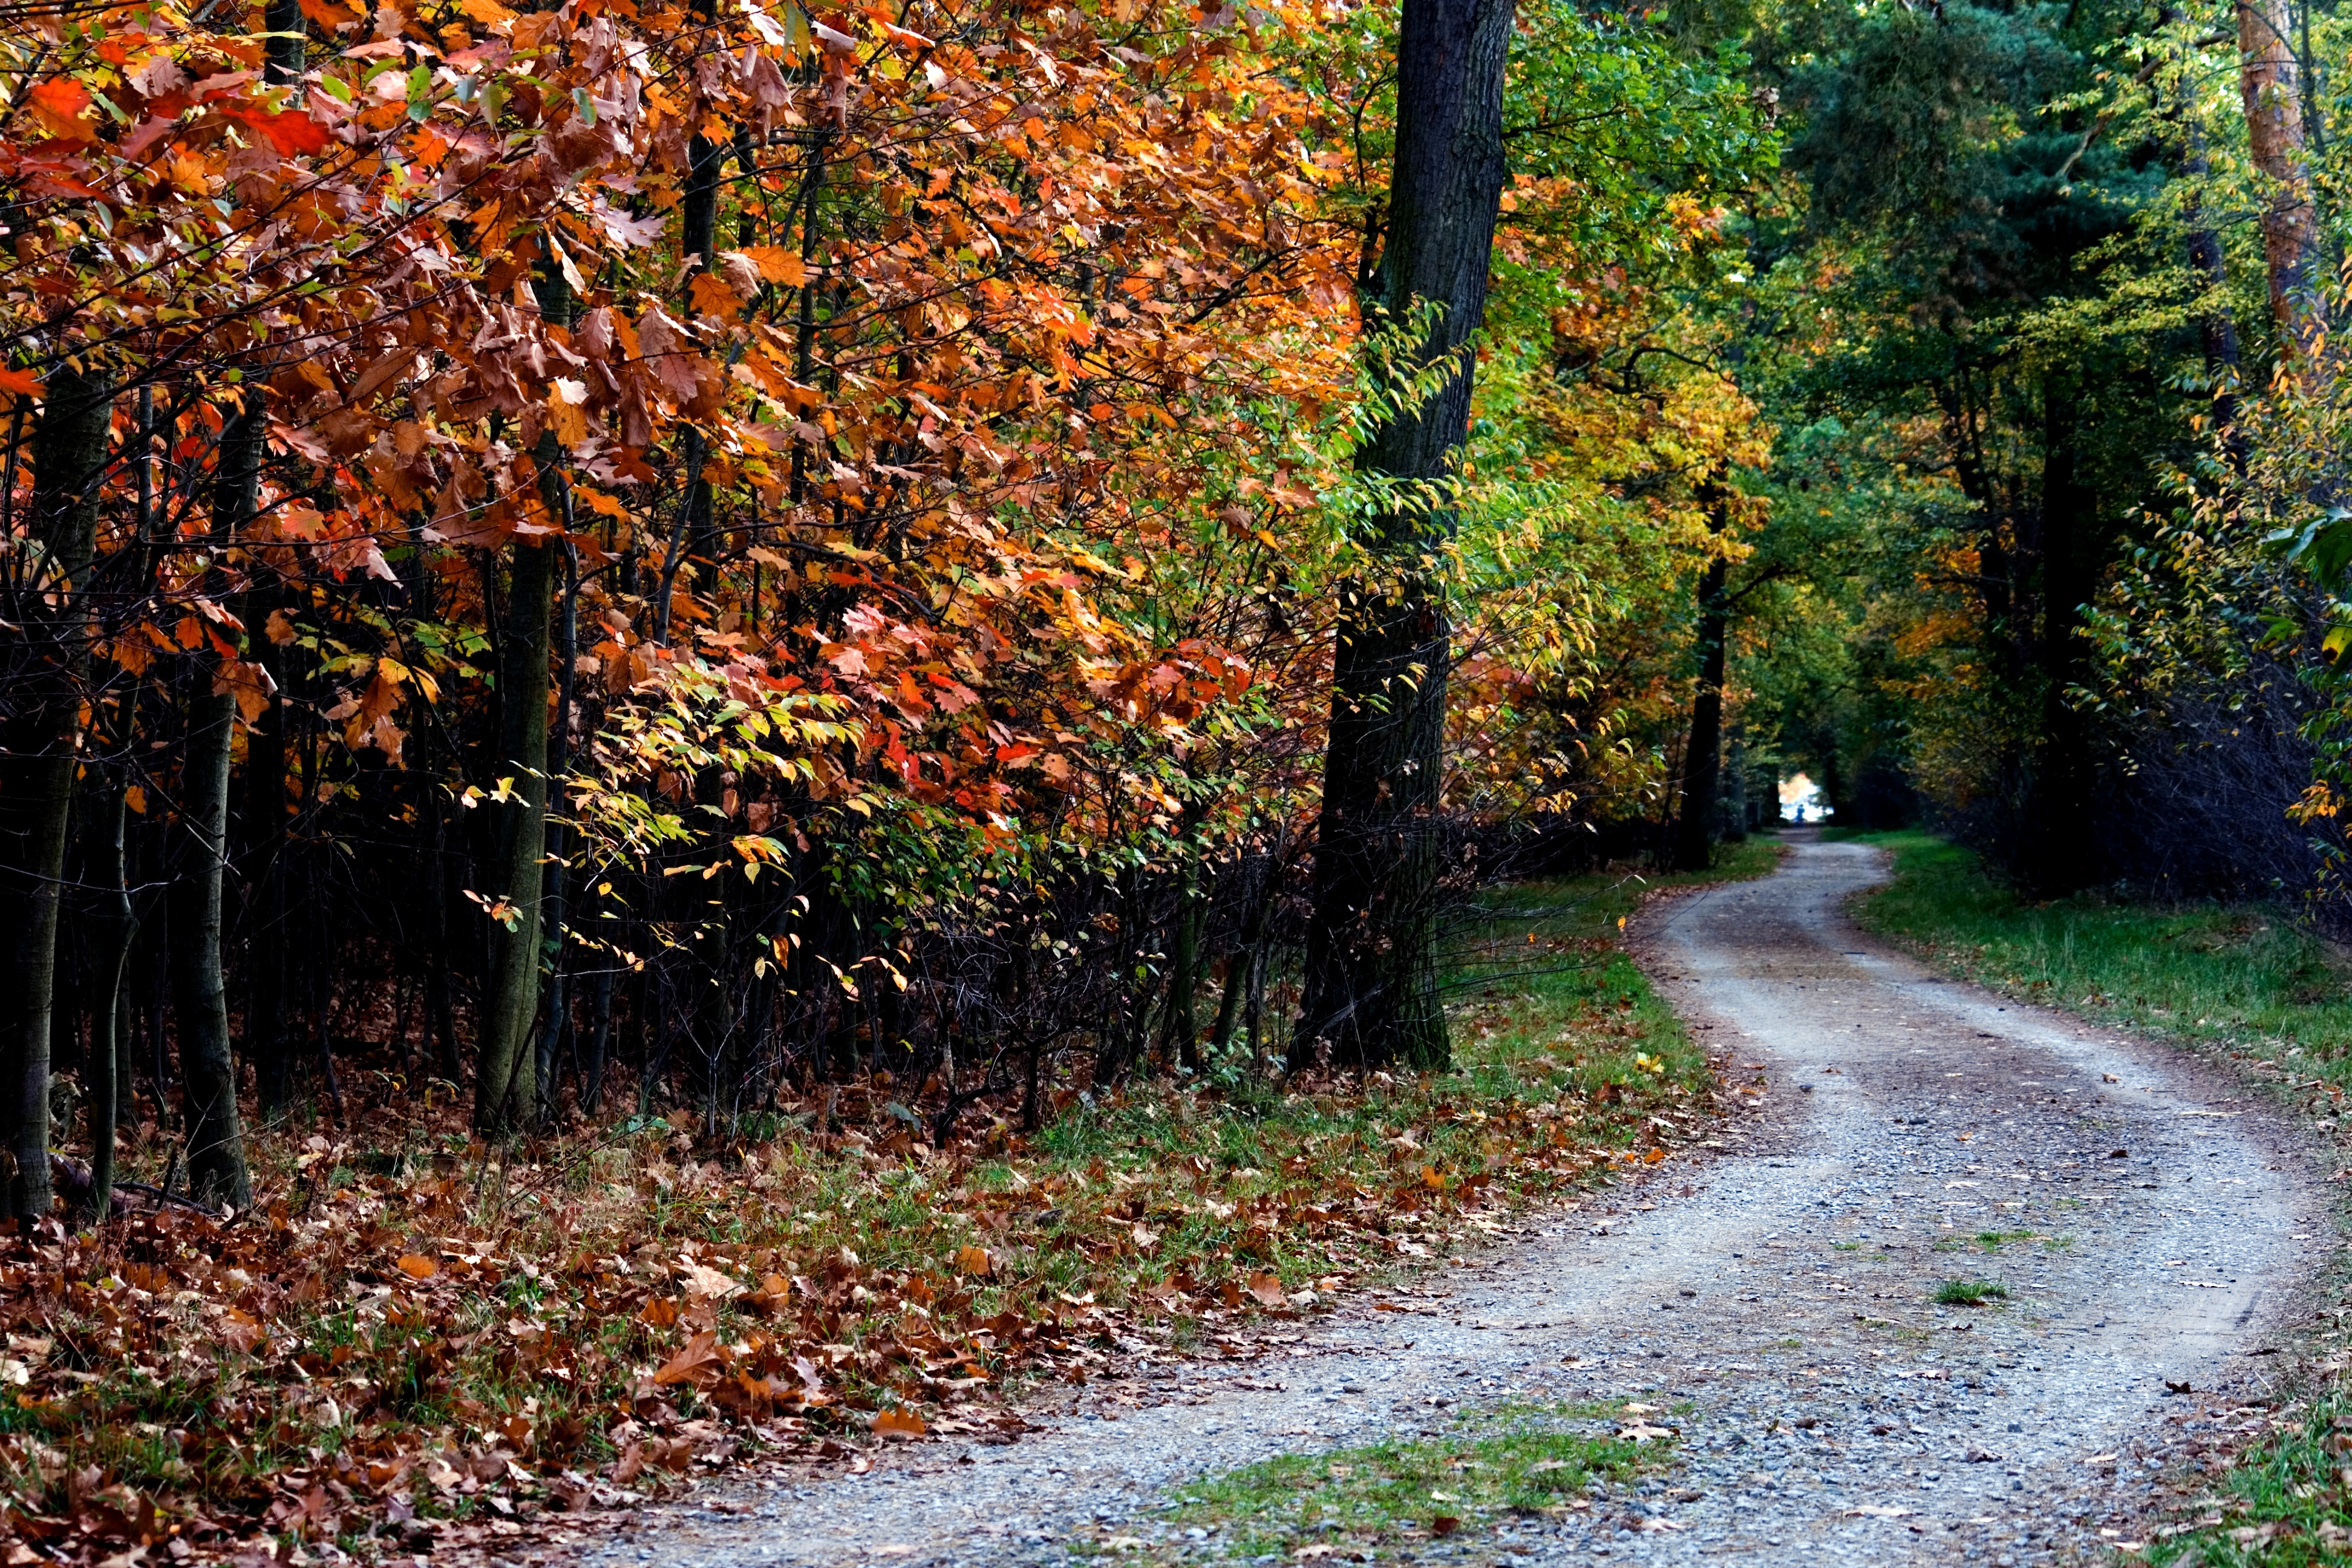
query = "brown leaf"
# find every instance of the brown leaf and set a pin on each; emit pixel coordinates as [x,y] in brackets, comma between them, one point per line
[1267,1289]
[699,1362]
[1444,1524]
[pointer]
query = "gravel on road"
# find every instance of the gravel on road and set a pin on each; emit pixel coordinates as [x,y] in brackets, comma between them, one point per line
[2152,1224]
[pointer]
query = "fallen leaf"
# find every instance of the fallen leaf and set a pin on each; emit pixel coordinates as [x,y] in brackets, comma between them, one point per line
[898,1424]
[418,1267]
[1444,1524]
[1267,1289]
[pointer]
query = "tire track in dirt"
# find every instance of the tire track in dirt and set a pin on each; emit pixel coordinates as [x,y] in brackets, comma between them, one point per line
[1831,1410]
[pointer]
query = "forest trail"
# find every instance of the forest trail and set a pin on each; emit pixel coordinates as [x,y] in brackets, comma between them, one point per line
[1782,1305]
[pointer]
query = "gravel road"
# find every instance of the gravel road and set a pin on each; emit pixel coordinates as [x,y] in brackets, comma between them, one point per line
[1779,1292]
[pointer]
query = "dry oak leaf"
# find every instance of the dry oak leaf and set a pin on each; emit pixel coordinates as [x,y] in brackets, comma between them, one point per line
[697,1363]
[1267,1289]
[707,1282]
[898,1424]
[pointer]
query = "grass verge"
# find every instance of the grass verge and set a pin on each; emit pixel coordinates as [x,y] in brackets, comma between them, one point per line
[413,1341]
[2246,978]
[1518,1459]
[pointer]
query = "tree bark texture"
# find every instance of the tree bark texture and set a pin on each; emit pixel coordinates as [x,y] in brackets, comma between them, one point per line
[42,734]
[216,1138]
[1370,994]
[2269,80]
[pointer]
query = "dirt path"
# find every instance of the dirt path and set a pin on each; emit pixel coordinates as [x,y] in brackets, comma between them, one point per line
[1793,1283]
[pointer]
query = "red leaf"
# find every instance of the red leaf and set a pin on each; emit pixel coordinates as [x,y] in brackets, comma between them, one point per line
[289,134]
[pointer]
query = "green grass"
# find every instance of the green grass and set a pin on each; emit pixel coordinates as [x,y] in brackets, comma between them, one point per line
[2246,977]
[2282,1505]
[1519,1458]
[1970,1292]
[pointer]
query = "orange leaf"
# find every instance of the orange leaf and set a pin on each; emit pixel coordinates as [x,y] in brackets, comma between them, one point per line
[898,1424]
[61,104]
[1267,1289]
[417,1268]
[777,265]
[21,383]
[976,1260]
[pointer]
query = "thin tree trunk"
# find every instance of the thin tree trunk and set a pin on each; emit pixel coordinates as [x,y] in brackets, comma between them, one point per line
[115,926]
[43,733]
[216,1138]
[559,876]
[504,1090]
[1703,758]
[1372,976]
[2269,80]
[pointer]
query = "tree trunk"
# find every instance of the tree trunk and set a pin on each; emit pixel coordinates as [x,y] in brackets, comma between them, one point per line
[2269,80]
[264,831]
[114,927]
[505,1087]
[2056,850]
[216,1138]
[42,733]
[559,876]
[1371,995]
[1702,758]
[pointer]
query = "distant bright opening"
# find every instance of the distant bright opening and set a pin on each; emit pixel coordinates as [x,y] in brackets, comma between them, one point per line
[1801,800]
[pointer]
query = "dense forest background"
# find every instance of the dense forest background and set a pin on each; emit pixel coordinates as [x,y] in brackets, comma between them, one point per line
[608,560]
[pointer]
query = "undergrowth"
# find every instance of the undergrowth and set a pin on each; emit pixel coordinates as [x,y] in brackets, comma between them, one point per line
[414,1340]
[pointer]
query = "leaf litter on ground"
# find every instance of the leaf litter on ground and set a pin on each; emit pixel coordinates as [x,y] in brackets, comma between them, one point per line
[415,1342]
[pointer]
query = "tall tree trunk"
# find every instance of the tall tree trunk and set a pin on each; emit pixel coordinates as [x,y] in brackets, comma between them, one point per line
[114,927]
[506,1090]
[216,1138]
[2269,80]
[559,876]
[264,833]
[1371,995]
[1703,758]
[2056,850]
[42,733]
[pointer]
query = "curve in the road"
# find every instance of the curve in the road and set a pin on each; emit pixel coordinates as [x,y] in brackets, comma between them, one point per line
[2150,1225]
